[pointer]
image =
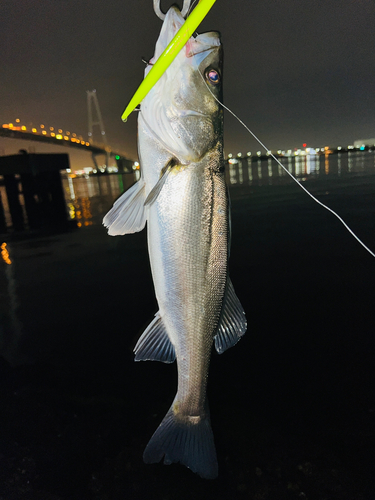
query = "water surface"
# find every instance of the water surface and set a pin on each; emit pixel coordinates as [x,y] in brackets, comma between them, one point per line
[292,405]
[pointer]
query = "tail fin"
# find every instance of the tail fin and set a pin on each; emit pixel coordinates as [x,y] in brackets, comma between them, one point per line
[189,442]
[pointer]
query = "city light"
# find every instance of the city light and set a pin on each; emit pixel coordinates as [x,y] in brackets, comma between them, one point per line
[43,130]
[5,254]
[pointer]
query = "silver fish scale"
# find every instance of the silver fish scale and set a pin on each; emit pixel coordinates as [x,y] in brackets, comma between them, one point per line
[188,249]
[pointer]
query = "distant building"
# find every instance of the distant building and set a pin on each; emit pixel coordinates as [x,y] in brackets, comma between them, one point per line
[364,142]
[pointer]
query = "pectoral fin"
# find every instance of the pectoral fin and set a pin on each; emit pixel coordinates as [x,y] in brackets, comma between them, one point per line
[128,214]
[154,193]
[154,343]
[232,325]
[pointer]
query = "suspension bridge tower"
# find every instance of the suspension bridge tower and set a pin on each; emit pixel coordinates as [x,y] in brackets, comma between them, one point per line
[95,119]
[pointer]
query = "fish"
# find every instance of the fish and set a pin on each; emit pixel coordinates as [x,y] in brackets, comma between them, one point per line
[183,197]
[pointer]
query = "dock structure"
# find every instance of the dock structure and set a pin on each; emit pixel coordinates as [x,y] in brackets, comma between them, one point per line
[37,178]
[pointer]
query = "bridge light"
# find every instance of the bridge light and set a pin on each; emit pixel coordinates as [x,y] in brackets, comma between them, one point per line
[87,144]
[10,125]
[66,138]
[60,131]
[53,134]
[51,129]
[67,133]
[74,135]
[23,127]
[59,136]
[42,126]
[34,130]
[17,120]
[44,132]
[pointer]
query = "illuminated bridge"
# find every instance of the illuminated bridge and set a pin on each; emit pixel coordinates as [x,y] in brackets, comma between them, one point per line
[57,137]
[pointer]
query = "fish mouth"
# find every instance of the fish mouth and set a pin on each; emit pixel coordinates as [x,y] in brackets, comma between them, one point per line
[171,112]
[196,45]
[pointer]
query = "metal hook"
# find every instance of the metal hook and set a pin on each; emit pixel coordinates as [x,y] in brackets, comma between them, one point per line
[161,15]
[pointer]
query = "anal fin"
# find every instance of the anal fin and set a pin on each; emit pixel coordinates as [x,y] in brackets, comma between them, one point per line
[154,343]
[232,324]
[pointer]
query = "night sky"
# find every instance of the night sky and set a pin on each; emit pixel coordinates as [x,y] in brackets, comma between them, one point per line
[295,71]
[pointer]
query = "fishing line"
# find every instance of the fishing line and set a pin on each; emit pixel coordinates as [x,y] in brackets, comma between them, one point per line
[286,170]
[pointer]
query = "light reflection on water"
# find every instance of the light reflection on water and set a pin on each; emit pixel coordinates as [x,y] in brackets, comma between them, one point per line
[260,172]
[88,199]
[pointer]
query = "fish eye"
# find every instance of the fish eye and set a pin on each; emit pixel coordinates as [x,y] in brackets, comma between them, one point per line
[213,76]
